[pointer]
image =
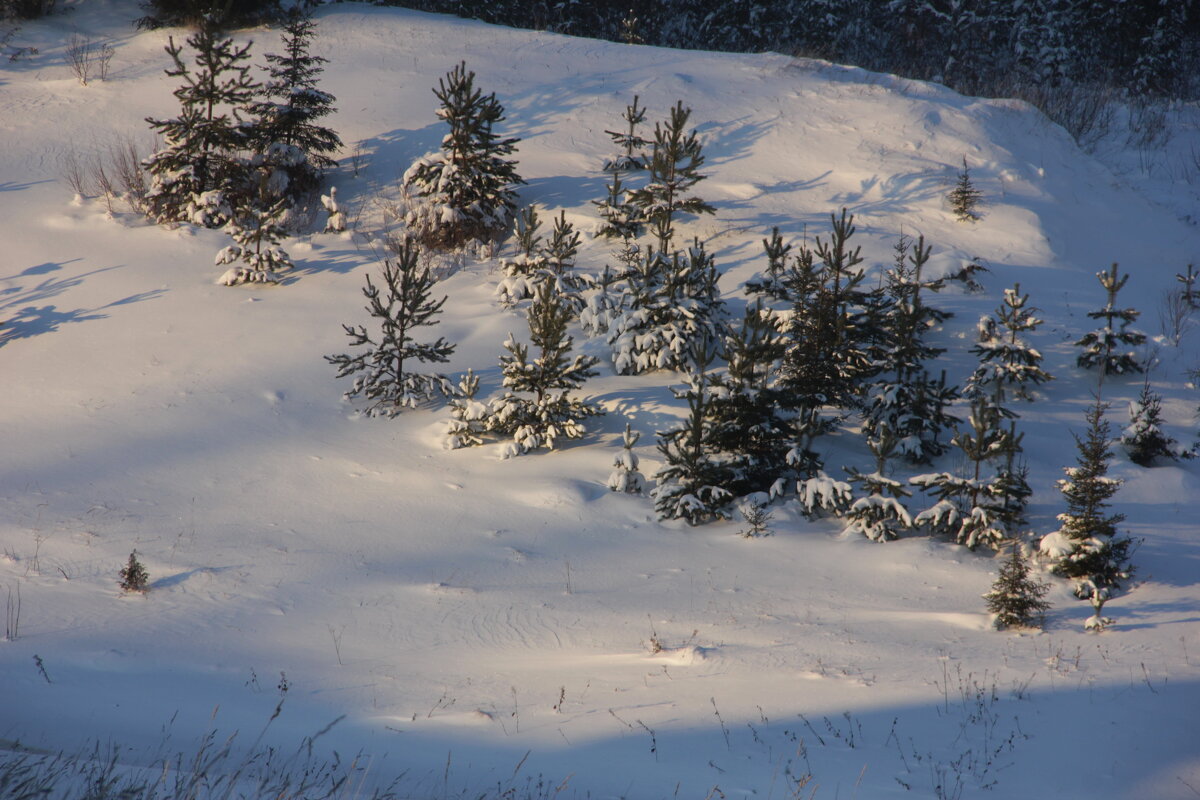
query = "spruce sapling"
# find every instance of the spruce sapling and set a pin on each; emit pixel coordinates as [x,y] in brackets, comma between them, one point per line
[964,197]
[383,371]
[1087,545]
[1110,347]
[625,476]
[466,192]
[134,577]
[1144,440]
[1017,599]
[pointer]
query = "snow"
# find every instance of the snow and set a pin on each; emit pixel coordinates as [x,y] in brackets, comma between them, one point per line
[464,610]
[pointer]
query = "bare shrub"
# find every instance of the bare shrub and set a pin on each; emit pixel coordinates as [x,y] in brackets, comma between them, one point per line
[125,159]
[72,170]
[1174,315]
[86,58]
[79,57]
[1087,112]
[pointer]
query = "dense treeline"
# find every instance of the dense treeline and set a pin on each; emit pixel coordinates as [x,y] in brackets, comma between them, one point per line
[988,47]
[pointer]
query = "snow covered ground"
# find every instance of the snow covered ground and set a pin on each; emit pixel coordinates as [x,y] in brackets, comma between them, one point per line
[479,622]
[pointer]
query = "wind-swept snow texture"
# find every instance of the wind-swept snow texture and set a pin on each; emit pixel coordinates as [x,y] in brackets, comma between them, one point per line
[461,608]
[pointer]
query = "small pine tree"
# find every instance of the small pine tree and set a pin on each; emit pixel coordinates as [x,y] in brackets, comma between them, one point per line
[286,134]
[199,173]
[757,517]
[336,221]
[692,483]
[619,217]
[673,302]
[1108,347]
[625,476]
[134,577]
[964,197]
[673,169]
[1087,546]
[551,413]
[383,371]
[879,513]
[1017,600]
[468,416]
[256,230]
[1144,439]
[466,192]
[1008,365]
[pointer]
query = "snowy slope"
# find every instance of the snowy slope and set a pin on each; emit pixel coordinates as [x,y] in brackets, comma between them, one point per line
[458,608]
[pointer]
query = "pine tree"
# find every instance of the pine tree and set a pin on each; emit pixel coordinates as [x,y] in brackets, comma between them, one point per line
[466,192]
[286,135]
[757,517]
[905,402]
[751,427]
[672,303]
[621,218]
[198,174]
[673,169]
[964,197]
[1008,365]
[1017,599]
[966,509]
[134,577]
[1087,545]
[692,483]
[256,228]
[828,355]
[551,413]
[384,375]
[625,476]
[1108,347]
[1144,439]
[336,221]
[878,513]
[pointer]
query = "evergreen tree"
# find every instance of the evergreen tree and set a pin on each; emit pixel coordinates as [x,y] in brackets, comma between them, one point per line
[134,577]
[1144,439]
[905,402]
[620,217]
[256,228]
[1007,363]
[758,518]
[1108,347]
[468,416]
[673,169]
[750,425]
[1017,599]
[384,375]
[878,513]
[198,174]
[466,192]
[1087,545]
[692,483]
[551,413]
[287,137]
[625,476]
[967,510]
[672,303]
[964,197]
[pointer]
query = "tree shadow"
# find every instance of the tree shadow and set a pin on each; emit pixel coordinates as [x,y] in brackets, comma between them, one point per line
[30,314]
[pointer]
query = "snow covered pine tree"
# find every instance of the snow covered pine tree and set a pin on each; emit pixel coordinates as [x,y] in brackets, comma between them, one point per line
[466,192]
[385,378]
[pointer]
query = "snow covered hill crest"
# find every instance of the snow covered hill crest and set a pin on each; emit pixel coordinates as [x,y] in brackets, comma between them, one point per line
[465,615]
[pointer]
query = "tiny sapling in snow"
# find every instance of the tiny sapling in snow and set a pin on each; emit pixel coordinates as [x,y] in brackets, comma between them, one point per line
[134,577]
[1111,348]
[625,476]
[964,197]
[758,518]
[336,221]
